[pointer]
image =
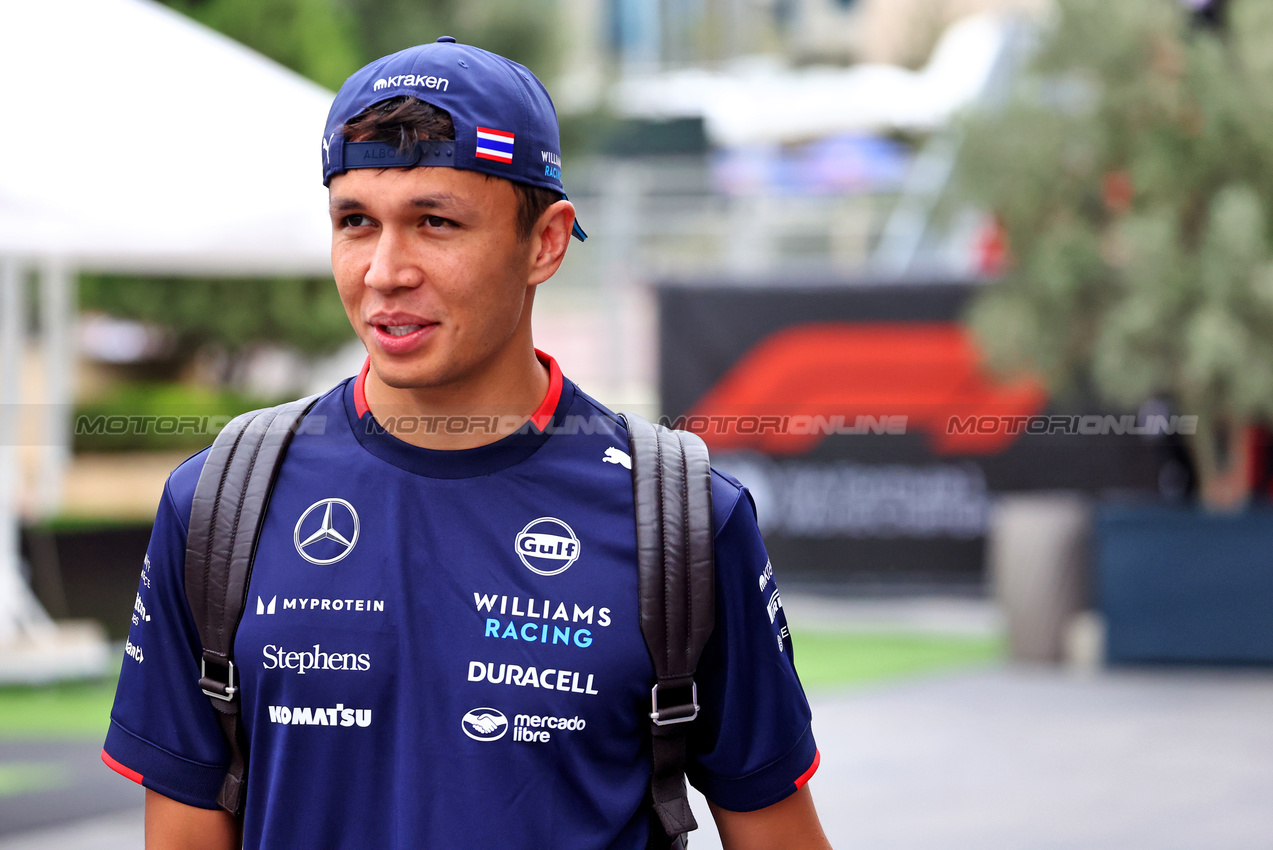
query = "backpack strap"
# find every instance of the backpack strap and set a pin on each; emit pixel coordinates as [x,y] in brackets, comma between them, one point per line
[225,523]
[672,489]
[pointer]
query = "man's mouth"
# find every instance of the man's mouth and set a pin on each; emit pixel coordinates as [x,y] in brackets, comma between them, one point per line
[399,330]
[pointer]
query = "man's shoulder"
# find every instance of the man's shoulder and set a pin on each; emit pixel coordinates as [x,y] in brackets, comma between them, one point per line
[727,491]
[181,484]
[180,488]
[585,405]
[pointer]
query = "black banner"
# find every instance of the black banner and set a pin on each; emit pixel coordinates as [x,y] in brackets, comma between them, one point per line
[862,420]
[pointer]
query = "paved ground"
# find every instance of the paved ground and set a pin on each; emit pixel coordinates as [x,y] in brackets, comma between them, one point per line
[70,782]
[1004,759]
[119,831]
[1026,759]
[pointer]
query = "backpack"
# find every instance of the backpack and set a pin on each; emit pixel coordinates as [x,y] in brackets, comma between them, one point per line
[671,483]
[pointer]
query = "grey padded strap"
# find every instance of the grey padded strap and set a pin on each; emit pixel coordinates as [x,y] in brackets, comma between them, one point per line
[225,523]
[671,480]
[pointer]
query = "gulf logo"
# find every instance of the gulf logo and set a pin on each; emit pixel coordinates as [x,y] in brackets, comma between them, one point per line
[547,546]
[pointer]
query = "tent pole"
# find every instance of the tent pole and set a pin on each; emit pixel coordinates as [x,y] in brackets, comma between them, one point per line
[57,317]
[12,320]
[33,648]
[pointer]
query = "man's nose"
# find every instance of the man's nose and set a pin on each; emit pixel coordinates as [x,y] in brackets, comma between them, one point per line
[393,265]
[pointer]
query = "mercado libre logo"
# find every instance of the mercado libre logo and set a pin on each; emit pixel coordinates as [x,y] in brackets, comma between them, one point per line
[484,724]
[547,546]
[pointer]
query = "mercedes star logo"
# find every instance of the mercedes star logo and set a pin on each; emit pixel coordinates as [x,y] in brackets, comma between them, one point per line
[334,538]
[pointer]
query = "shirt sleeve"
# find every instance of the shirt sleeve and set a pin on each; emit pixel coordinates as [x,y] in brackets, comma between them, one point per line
[163,732]
[753,745]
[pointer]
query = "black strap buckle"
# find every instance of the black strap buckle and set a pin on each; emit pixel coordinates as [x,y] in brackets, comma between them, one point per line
[682,712]
[218,688]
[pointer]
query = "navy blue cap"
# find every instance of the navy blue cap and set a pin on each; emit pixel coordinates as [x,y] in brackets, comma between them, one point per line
[505,123]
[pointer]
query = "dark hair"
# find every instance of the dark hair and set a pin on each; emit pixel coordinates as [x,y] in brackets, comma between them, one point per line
[403,121]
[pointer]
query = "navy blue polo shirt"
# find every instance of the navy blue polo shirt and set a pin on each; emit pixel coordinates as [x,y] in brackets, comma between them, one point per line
[442,648]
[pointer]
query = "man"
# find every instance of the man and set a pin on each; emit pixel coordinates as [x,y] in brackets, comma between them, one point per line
[441,646]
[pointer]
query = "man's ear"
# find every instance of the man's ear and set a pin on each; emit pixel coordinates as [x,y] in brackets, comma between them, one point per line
[549,240]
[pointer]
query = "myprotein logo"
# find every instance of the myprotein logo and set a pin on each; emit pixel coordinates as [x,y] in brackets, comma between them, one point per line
[326,532]
[484,724]
[413,80]
[278,658]
[317,603]
[288,715]
[547,546]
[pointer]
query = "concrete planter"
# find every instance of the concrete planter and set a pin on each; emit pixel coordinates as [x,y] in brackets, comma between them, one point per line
[1037,554]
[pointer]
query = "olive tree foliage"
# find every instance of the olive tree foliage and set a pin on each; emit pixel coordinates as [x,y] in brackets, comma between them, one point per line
[1131,171]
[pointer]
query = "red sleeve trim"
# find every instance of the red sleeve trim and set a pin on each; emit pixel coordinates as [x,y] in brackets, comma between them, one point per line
[813,768]
[125,772]
[543,417]
[360,391]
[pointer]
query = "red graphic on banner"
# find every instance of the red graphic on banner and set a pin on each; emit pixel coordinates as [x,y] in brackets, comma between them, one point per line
[823,373]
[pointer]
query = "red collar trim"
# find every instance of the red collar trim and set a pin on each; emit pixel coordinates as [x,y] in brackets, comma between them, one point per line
[360,390]
[543,415]
[541,418]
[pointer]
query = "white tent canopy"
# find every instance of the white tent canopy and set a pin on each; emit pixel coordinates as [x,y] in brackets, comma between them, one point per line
[143,141]
[133,140]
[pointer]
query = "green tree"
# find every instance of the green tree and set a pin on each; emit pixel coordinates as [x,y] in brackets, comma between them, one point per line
[327,40]
[232,314]
[523,30]
[1132,173]
[315,38]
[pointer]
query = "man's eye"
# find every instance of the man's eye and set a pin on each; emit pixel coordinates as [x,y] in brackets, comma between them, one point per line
[355,220]
[437,221]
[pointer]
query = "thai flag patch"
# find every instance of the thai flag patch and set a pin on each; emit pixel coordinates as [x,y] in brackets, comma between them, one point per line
[494,144]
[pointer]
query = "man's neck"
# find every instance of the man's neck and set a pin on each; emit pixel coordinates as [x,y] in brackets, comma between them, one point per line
[463,414]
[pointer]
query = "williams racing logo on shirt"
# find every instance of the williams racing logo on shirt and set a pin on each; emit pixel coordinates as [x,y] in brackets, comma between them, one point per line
[547,546]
